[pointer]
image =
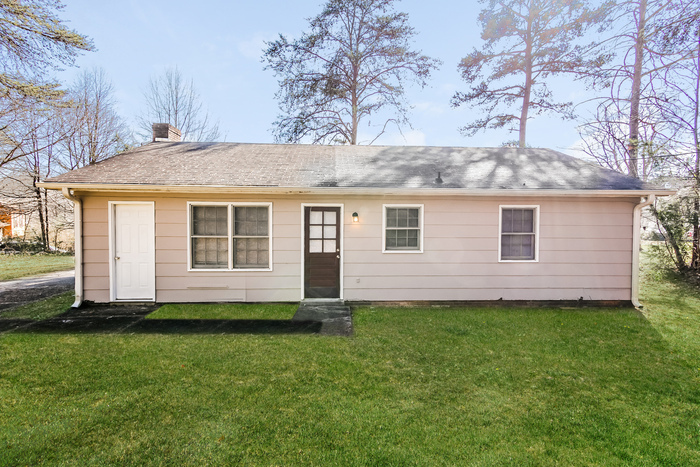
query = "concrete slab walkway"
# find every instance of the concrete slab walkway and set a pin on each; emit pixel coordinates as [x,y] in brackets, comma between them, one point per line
[130,319]
[335,317]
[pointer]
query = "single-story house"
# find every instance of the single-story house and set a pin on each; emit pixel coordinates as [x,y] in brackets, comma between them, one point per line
[178,221]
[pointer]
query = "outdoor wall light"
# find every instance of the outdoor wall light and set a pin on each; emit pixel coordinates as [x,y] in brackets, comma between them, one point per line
[355,217]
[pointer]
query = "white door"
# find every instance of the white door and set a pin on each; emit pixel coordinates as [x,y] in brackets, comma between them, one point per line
[134,252]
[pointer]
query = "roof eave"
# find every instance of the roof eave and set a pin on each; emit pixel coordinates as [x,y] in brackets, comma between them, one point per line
[271,190]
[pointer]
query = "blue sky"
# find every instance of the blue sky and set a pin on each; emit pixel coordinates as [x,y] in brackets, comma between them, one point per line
[219,43]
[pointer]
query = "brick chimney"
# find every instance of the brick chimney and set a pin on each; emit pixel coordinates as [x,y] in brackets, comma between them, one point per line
[166,132]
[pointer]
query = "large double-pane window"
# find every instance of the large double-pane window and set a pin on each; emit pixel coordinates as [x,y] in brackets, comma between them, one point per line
[230,236]
[518,233]
[402,228]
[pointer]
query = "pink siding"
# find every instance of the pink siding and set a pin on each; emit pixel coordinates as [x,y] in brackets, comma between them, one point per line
[585,251]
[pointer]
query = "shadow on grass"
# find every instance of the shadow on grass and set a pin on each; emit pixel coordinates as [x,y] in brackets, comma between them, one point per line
[137,325]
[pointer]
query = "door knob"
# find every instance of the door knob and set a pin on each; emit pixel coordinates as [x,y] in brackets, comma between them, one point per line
[116,257]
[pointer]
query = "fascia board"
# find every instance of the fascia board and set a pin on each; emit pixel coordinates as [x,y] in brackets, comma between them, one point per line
[98,187]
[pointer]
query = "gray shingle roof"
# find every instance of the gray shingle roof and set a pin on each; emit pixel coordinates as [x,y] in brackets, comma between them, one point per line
[310,166]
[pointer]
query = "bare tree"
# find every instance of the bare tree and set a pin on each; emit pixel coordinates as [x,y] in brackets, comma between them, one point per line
[605,139]
[352,64]
[170,98]
[526,41]
[94,128]
[679,103]
[648,124]
[634,81]
[43,133]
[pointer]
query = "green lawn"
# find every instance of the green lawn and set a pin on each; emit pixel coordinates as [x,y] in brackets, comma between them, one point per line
[226,311]
[42,309]
[436,386]
[17,266]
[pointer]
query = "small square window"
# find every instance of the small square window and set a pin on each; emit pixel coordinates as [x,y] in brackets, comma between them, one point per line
[518,233]
[403,228]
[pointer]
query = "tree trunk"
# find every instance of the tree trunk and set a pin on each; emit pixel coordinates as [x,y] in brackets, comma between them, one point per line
[633,143]
[528,86]
[44,234]
[354,103]
[695,260]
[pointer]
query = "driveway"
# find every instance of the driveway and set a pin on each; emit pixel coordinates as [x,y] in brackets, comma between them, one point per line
[29,289]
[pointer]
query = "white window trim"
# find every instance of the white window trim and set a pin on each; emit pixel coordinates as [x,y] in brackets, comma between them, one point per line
[420,226]
[230,206]
[536,223]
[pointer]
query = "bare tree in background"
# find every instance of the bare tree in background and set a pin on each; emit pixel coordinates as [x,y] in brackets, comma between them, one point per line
[95,129]
[170,98]
[628,132]
[352,64]
[679,103]
[44,132]
[648,124]
[526,41]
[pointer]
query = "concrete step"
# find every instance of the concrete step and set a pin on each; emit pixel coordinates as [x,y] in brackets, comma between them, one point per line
[335,316]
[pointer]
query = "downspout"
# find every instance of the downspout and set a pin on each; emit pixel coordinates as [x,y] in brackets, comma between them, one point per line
[636,245]
[78,229]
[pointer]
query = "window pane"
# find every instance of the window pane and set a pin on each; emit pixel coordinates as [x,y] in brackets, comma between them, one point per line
[518,220]
[507,221]
[391,217]
[329,246]
[528,220]
[251,252]
[518,247]
[210,253]
[315,246]
[315,231]
[412,238]
[329,218]
[527,245]
[412,217]
[250,221]
[316,217]
[209,220]
[402,215]
[329,231]
[403,239]
[505,247]
[390,239]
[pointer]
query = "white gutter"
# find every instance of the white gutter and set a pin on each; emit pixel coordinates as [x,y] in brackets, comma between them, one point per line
[359,191]
[78,229]
[636,245]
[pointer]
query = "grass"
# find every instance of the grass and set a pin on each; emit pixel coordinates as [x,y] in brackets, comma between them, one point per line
[18,266]
[491,386]
[226,311]
[42,309]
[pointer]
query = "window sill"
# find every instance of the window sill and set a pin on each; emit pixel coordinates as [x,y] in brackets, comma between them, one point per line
[230,270]
[518,260]
[413,252]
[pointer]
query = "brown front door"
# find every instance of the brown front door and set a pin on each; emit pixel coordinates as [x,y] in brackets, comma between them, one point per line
[322,252]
